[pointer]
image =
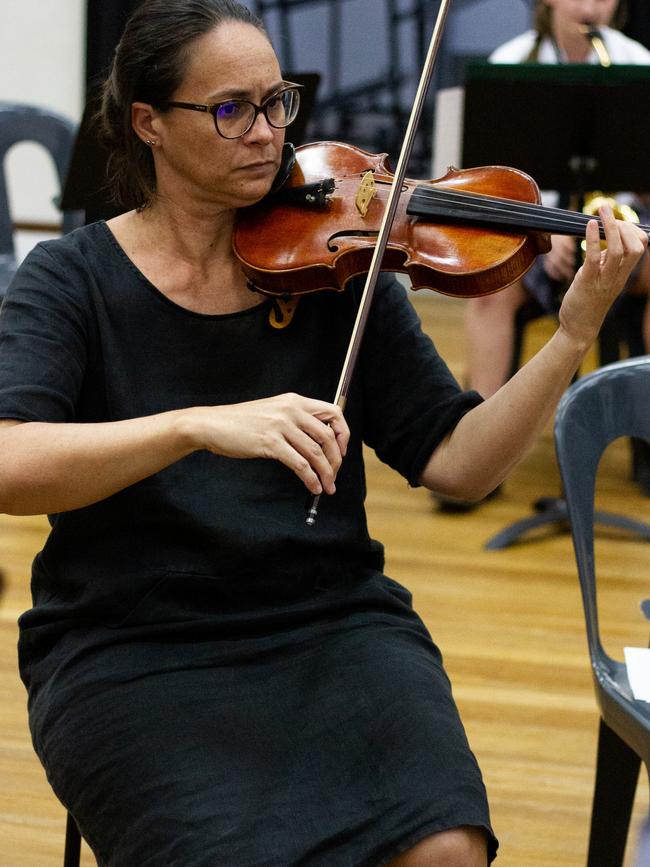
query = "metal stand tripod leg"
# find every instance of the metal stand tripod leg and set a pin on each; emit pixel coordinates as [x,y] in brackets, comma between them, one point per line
[553,510]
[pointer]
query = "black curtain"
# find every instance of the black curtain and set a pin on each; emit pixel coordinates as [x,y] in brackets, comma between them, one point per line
[638,23]
[105,20]
[85,186]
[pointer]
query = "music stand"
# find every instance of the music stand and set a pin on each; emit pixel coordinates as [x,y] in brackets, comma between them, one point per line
[572,127]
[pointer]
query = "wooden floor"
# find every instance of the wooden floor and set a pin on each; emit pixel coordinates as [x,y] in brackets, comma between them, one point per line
[509,623]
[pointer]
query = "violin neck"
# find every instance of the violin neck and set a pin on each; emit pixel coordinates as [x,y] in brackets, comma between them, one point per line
[433,202]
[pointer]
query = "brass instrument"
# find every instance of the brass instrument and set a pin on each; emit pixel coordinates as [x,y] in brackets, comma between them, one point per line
[593,34]
[594,200]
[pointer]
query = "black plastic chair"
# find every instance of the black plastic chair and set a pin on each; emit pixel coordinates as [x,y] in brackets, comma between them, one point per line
[609,403]
[21,123]
[72,852]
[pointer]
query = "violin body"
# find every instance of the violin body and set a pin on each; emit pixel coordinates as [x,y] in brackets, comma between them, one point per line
[289,248]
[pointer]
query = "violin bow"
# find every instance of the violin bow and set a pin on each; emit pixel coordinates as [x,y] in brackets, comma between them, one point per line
[385,228]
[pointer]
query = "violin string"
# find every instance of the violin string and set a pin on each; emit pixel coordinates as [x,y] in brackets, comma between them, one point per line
[519,217]
[499,209]
[509,211]
[516,218]
[514,206]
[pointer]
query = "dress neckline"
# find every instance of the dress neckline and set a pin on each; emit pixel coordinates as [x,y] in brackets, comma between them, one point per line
[152,288]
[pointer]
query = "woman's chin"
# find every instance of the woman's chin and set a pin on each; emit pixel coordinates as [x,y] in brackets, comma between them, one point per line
[253,193]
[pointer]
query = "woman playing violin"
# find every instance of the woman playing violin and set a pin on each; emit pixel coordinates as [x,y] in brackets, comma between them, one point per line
[210,680]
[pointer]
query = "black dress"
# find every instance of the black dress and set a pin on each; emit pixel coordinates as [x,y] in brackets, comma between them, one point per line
[212,682]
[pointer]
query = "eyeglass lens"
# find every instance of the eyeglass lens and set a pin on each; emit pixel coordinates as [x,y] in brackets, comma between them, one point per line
[235,117]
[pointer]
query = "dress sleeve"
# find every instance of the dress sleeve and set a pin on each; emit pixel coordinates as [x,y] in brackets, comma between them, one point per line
[411,399]
[43,340]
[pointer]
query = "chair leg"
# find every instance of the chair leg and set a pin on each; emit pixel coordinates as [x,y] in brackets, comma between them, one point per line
[641,464]
[617,772]
[72,854]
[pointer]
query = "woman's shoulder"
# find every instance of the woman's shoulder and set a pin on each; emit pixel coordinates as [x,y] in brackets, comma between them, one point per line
[515,50]
[67,268]
[87,244]
[623,49]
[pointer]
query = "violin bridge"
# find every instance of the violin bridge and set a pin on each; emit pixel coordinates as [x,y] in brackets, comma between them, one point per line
[365,193]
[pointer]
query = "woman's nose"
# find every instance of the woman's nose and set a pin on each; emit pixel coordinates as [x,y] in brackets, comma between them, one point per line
[261,129]
[589,11]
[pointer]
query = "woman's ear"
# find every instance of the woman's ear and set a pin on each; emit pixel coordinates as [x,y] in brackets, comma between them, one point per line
[143,121]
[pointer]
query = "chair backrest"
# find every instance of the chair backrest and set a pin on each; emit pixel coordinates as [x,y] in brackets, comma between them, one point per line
[600,407]
[55,133]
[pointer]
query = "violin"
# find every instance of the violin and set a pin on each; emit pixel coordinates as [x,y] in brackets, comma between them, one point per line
[469,233]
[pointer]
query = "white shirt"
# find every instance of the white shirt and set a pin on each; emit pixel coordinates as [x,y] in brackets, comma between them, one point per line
[620,48]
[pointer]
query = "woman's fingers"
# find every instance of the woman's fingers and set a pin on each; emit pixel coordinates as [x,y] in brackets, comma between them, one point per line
[602,276]
[338,425]
[321,438]
[635,243]
[287,453]
[309,436]
[316,463]
[625,244]
[592,247]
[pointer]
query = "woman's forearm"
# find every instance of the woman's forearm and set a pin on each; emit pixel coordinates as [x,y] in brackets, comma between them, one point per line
[48,468]
[488,442]
[493,437]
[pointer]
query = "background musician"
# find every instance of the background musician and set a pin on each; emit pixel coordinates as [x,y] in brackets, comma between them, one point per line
[557,37]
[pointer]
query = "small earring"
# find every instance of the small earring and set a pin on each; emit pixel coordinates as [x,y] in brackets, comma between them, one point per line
[150,142]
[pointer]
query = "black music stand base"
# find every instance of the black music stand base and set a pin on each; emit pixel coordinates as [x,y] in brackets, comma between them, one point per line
[553,510]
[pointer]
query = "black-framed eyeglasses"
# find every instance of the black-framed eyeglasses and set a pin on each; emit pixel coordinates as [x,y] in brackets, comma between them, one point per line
[233,118]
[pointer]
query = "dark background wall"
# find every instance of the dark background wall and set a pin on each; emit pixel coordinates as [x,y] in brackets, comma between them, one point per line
[105,20]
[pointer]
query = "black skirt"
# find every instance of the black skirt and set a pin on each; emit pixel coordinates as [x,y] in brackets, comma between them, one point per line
[317,731]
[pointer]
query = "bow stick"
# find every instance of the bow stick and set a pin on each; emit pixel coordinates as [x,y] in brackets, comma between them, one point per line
[384,230]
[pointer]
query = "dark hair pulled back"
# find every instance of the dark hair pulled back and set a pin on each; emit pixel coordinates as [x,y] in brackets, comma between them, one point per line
[149,64]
